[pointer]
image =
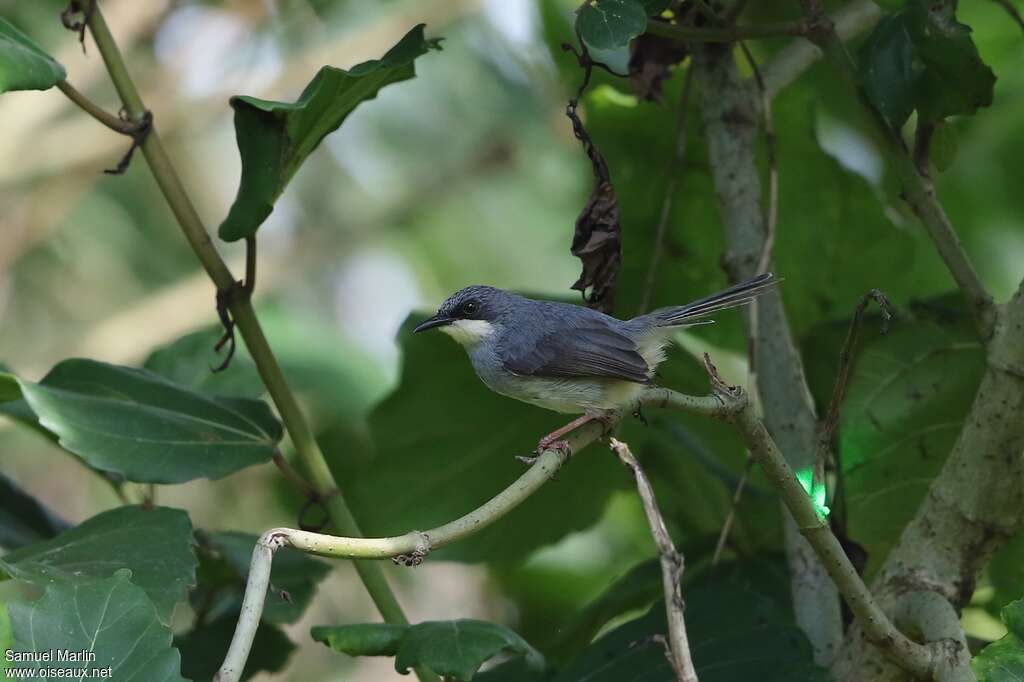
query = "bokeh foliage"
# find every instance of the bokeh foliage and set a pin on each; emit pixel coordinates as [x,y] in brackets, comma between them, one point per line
[468,173]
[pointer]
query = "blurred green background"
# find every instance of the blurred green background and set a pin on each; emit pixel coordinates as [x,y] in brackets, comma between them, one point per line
[467,174]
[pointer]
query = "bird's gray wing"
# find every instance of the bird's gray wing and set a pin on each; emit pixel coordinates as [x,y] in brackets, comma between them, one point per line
[588,350]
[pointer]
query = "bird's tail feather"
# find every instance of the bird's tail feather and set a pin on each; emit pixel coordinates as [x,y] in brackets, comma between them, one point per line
[733,297]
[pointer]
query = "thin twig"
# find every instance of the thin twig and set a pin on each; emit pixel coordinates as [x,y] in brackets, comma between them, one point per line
[672,172]
[672,564]
[293,477]
[1012,11]
[115,123]
[723,535]
[831,421]
[771,214]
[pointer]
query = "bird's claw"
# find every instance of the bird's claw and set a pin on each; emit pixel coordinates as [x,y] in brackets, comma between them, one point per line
[560,445]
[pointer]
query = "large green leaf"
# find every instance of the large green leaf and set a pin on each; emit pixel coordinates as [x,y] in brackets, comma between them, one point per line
[23,64]
[906,400]
[202,649]
[445,444]
[187,361]
[609,24]
[451,648]
[23,518]
[923,58]
[1003,660]
[111,618]
[887,60]
[156,544]
[274,138]
[137,424]
[739,627]
[224,568]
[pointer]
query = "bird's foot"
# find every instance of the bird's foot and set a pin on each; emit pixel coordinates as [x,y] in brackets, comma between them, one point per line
[552,442]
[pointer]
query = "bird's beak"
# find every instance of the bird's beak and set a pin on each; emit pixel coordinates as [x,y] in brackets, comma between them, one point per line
[435,321]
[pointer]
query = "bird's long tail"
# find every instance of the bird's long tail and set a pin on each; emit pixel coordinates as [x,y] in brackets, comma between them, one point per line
[733,297]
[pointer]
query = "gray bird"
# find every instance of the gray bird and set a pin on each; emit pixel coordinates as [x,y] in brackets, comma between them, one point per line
[569,358]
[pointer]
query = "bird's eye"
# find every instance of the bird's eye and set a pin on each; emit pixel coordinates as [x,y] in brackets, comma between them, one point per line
[469,307]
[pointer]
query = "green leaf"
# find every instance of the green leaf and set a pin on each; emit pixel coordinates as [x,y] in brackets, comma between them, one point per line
[23,518]
[111,617]
[922,58]
[225,563]
[135,423]
[155,544]
[954,81]
[458,648]
[23,64]
[445,444]
[9,389]
[187,362]
[202,649]
[274,138]
[362,639]
[451,648]
[908,394]
[637,589]
[742,608]
[887,59]
[1003,660]
[609,24]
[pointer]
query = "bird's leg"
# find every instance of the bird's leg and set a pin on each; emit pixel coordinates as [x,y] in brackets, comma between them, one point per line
[555,439]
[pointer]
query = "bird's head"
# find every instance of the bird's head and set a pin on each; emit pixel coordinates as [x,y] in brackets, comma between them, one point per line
[470,315]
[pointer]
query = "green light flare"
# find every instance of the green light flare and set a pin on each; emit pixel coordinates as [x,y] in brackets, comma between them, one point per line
[816,492]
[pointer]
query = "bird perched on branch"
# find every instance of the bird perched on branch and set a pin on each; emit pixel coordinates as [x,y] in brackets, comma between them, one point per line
[569,358]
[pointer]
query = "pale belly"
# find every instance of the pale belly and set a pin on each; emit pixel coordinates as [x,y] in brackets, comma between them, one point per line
[571,396]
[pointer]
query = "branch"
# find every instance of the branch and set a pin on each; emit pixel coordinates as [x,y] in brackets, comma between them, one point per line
[731,121]
[918,190]
[972,507]
[727,403]
[118,125]
[671,569]
[245,317]
[877,627]
[415,545]
[791,62]
[930,617]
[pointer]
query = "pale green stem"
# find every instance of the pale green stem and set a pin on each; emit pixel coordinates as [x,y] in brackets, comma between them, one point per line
[245,318]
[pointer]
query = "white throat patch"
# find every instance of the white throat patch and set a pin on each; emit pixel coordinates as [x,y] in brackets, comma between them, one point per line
[469,332]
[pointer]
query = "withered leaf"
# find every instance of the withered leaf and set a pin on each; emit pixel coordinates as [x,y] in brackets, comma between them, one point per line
[597,239]
[598,245]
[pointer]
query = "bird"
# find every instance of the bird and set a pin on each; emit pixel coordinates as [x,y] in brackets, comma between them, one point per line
[570,358]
